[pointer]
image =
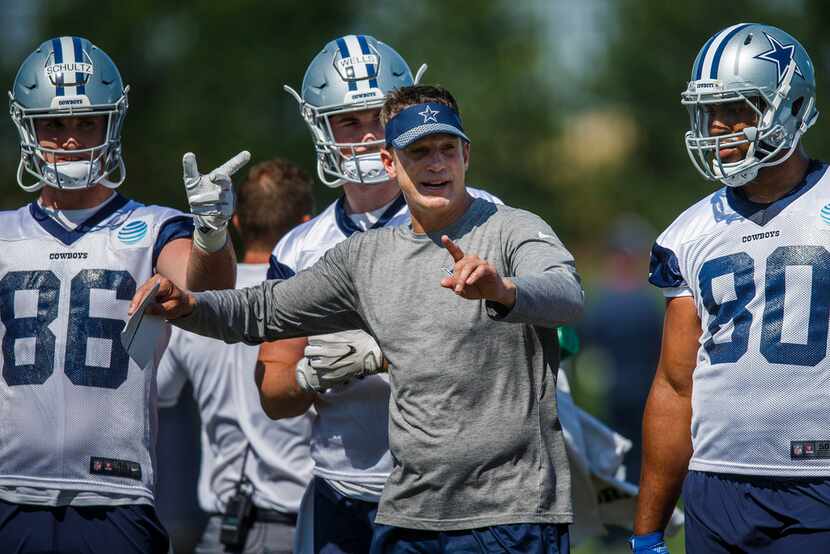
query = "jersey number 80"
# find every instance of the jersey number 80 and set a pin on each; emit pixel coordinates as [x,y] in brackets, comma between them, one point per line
[773,348]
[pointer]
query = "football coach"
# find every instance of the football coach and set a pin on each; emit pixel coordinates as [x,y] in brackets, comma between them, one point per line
[464,303]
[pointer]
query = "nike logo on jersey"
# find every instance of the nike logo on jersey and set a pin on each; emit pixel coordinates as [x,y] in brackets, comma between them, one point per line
[543,236]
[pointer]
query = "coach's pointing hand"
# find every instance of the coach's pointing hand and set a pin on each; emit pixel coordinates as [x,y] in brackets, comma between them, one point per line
[171,302]
[476,279]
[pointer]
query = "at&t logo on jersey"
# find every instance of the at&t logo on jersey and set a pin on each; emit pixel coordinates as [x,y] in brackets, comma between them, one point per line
[132,232]
[824,214]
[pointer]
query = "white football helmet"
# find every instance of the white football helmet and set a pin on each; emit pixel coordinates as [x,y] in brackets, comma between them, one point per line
[769,70]
[351,73]
[68,77]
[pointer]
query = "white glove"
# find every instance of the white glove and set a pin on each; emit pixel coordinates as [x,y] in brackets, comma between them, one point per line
[211,199]
[336,358]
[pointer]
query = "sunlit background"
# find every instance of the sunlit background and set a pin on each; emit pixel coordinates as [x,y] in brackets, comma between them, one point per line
[572,106]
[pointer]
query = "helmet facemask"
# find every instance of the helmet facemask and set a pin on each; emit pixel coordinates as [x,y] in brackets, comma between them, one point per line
[102,163]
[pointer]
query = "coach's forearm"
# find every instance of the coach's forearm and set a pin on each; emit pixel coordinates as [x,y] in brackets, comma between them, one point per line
[546,299]
[667,448]
[228,315]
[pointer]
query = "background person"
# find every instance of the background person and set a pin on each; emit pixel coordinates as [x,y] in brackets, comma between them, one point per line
[246,456]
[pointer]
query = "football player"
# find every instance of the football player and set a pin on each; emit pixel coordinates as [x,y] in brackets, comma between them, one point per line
[737,414]
[78,415]
[342,93]
[254,470]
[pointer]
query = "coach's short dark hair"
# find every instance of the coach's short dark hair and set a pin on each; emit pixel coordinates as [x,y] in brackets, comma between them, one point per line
[274,198]
[401,98]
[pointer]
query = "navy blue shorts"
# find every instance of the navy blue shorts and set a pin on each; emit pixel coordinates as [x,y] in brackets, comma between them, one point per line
[516,538]
[341,524]
[134,529]
[767,515]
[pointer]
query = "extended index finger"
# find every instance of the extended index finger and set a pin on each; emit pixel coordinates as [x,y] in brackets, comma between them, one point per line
[191,170]
[234,164]
[453,248]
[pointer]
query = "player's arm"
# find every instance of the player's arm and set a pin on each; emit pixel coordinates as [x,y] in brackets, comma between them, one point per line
[667,443]
[279,393]
[192,268]
[207,261]
[294,371]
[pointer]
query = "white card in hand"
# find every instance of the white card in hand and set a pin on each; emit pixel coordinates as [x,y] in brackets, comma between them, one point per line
[142,332]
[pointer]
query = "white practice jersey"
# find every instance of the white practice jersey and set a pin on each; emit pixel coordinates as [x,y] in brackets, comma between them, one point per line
[278,463]
[77,415]
[350,433]
[760,278]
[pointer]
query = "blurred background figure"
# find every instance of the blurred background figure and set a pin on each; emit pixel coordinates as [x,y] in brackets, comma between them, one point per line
[624,322]
[253,470]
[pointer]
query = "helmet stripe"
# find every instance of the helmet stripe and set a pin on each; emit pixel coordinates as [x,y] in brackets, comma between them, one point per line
[703,51]
[370,68]
[79,58]
[344,53]
[69,57]
[57,50]
[718,44]
[360,69]
[722,46]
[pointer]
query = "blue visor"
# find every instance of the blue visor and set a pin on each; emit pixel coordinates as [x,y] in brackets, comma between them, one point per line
[420,120]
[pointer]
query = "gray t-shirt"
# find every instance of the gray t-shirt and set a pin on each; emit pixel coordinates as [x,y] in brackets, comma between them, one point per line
[473,426]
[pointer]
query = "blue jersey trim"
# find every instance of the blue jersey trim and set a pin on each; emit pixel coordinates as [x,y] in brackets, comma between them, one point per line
[278,270]
[179,227]
[347,226]
[713,74]
[70,237]
[664,269]
[761,214]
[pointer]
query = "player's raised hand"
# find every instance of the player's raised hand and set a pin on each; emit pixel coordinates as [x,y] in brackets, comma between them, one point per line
[170,302]
[475,279]
[211,196]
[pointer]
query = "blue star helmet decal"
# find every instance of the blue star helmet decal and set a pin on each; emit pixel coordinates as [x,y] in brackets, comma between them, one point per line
[429,115]
[780,55]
